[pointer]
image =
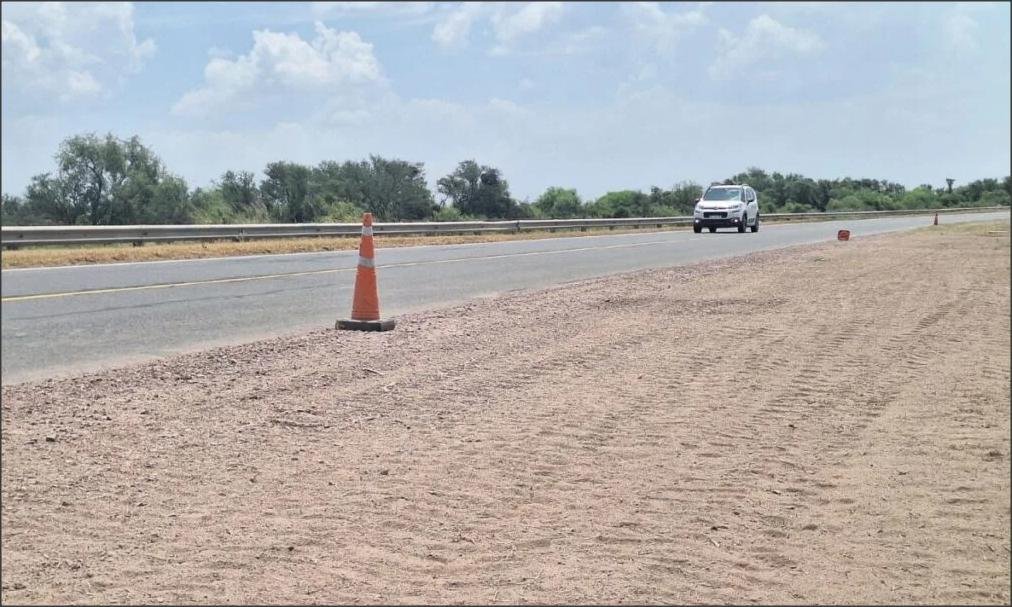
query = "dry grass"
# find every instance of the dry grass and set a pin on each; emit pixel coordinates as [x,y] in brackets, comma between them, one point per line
[64,256]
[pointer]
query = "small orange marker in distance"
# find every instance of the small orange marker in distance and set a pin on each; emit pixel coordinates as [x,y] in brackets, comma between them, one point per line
[365,315]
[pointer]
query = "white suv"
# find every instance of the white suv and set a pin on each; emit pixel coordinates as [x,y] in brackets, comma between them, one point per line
[727,206]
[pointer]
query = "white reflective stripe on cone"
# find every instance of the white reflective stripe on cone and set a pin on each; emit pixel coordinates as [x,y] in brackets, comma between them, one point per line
[365,262]
[367,231]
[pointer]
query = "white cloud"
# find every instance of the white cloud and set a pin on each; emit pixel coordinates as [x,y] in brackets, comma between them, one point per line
[764,40]
[82,84]
[327,9]
[662,29]
[323,8]
[18,44]
[582,41]
[71,50]
[454,29]
[532,17]
[285,62]
[505,106]
[961,33]
[219,53]
[508,24]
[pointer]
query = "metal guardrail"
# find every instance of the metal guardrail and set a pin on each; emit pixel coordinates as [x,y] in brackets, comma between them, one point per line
[15,236]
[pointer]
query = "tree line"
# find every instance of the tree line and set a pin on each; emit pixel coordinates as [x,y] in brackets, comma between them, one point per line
[110,181]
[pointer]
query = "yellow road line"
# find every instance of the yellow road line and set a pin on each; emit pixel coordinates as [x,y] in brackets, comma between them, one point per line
[169,285]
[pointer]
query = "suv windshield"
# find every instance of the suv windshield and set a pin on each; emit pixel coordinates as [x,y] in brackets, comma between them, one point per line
[723,194]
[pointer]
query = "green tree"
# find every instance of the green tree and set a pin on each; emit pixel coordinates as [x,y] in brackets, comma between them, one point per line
[559,203]
[857,200]
[286,192]
[241,193]
[169,202]
[479,191]
[920,198]
[391,189]
[994,198]
[46,195]
[108,181]
[90,170]
[755,177]
[449,213]
[147,193]
[461,186]
[624,203]
[210,207]
[795,207]
[15,211]
[683,197]
[10,210]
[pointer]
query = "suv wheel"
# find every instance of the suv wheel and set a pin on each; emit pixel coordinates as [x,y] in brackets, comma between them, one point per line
[712,230]
[741,224]
[697,229]
[755,225]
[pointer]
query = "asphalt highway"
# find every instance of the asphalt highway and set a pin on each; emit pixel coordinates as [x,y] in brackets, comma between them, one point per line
[64,321]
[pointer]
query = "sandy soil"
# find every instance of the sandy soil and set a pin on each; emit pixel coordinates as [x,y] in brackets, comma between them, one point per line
[824,424]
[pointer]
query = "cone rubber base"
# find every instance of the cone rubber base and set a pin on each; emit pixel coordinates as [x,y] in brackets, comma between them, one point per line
[366,325]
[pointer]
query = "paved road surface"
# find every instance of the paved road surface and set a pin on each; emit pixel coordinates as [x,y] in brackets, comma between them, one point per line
[60,321]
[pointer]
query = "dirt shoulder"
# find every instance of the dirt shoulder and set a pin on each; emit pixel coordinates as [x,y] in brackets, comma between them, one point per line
[827,424]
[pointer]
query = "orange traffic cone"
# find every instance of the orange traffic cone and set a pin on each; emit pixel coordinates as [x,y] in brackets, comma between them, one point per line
[936,219]
[365,315]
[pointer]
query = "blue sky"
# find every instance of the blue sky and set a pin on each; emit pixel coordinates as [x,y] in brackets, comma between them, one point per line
[596,96]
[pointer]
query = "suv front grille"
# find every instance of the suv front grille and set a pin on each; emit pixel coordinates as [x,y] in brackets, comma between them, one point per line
[711,215]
